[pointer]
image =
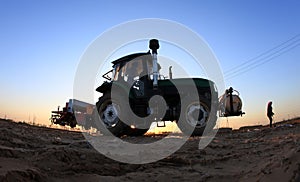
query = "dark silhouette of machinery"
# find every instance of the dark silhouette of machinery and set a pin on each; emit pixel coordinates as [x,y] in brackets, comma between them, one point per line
[125,105]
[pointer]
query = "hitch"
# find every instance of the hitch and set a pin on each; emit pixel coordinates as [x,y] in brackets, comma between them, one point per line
[163,125]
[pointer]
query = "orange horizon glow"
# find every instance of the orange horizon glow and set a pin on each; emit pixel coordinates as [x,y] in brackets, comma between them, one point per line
[231,122]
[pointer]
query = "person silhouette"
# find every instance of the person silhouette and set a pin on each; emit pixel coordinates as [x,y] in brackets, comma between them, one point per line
[270,112]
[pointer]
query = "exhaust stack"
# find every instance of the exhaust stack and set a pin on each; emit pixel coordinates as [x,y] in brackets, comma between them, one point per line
[170,72]
[154,46]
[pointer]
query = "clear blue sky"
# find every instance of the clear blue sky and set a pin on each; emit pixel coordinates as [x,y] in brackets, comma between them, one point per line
[42,41]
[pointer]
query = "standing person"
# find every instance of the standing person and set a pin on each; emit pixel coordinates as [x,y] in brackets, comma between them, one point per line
[270,113]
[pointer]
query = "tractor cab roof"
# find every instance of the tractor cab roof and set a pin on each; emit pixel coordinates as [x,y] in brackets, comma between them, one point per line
[129,57]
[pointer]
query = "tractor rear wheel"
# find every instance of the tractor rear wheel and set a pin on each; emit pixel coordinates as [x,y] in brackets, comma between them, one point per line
[197,116]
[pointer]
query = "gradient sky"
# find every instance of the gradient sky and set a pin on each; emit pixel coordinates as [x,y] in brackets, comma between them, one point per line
[42,42]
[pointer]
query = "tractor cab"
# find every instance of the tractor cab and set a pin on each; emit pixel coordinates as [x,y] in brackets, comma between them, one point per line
[138,66]
[133,71]
[130,68]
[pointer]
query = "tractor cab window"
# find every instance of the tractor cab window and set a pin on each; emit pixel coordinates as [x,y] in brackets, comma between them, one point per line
[130,71]
[133,70]
[116,72]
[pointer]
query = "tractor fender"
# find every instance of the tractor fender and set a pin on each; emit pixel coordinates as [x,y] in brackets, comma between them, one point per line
[106,88]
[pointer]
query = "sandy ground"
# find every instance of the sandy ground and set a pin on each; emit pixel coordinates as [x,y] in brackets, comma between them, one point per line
[31,153]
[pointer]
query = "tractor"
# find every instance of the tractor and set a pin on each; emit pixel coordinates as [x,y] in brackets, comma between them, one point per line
[127,107]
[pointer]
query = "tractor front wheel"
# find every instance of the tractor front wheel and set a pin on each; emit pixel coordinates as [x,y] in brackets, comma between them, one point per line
[109,110]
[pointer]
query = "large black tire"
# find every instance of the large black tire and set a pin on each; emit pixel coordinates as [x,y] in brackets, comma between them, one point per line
[109,110]
[197,116]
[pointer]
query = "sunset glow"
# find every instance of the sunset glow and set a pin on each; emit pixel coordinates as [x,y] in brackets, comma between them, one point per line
[42,43]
